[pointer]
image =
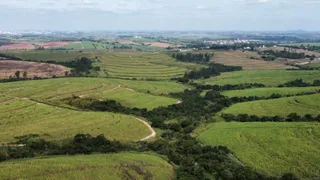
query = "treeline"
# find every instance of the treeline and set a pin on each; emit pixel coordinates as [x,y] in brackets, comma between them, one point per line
[228,87]
[214,69]
[11,57]
[271,55]
[195,58]
[272,96]
[122,47]
[300,83]
[293,117]
[80,66]
[304,47]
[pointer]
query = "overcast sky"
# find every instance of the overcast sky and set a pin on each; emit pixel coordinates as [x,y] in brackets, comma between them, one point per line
[213,15]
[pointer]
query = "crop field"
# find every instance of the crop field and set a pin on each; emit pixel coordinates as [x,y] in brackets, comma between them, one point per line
[21,116]
[143,94]
[82,167]
[131,98]
[266,92]
[266,77]
[281,107]
[141,65]
[274,148]
[239,58]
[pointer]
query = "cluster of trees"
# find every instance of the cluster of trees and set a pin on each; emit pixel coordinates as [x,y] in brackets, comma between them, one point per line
[30,146]
[80,66]
[214,69]
[273,96]
[228,87]
[195,58]
[7,56]
[122,47]
[293,117]
[300,83]
[270,54]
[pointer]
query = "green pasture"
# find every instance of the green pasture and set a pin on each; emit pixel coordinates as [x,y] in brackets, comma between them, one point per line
[271,147]
[21,116]
[267,77]
[143,94]
[266,92]
[302,105]
[83,167]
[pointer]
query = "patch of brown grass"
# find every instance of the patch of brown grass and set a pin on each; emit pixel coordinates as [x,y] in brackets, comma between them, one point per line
[9,67]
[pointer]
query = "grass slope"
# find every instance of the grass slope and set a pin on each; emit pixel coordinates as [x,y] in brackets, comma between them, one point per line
[282,107]
[274,148]
[137,94]
[82,167]
[267,77]
[266,92]
[22,116]
[129,97]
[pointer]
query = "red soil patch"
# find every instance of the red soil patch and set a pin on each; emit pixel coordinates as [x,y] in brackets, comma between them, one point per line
[159,44]
[52,44]
[31,45]
[22,45]
[9,67]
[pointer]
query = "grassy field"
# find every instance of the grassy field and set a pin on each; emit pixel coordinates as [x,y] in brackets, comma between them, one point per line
[131,98]
[304,43]
[282,107]
[274,148]
[239,58]
[267,77]
[22,116]
[266,92]
[82,167]
[143,94]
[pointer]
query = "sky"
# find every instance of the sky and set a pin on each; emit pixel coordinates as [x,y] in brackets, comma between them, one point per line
[157,15]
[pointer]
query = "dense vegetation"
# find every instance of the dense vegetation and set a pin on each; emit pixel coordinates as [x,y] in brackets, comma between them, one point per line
[293,117]
[196,58]
[300,83]
[213,70]
[270,55]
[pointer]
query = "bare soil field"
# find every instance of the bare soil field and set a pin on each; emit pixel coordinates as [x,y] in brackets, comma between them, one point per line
[44,70]
[22,45]
[159,44]
[47,45]
[239,58]
[128,42]
[31,45]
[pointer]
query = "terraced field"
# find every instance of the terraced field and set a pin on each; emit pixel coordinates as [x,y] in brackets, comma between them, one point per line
[267,77]
[143,94]
[82,167]
[282,107]
[21,116]
[274,148]
[140,65]
[239,58]
[266,92]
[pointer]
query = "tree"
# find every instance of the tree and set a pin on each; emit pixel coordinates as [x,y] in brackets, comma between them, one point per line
[25,74]
[17,73]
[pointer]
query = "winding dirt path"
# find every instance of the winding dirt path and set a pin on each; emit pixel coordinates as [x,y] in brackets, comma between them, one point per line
[153,133]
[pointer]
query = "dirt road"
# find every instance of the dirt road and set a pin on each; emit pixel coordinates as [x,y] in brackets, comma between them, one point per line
[153,133]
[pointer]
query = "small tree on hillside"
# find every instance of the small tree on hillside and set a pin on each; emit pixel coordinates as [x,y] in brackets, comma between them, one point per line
[17,73]
[25,74]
